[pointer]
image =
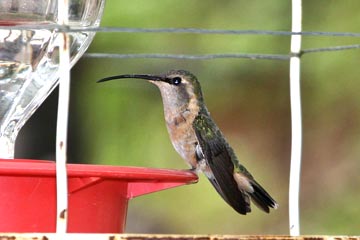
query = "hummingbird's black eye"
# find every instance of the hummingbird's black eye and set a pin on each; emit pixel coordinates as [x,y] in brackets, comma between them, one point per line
[176,80]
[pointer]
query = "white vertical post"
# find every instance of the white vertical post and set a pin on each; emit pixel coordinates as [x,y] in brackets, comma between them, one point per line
[62,121]
[296,121]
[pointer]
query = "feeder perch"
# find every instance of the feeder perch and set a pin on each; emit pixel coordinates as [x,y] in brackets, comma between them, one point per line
[98,195]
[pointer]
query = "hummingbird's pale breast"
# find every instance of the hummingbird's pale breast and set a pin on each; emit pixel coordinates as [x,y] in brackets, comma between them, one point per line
[182,136]
[179,121]
[180,111]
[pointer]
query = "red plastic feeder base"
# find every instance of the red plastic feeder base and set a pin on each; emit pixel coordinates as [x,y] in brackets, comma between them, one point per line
[98,195]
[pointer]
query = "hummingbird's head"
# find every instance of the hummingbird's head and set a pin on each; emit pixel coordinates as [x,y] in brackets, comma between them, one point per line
[177,87]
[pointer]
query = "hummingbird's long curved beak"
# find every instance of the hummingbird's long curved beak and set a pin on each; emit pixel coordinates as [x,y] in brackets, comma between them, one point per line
[139,76]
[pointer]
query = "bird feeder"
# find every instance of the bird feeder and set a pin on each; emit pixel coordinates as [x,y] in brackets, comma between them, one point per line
[98,195]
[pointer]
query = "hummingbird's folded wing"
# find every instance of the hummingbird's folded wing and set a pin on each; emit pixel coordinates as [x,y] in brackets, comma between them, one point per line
[218,159]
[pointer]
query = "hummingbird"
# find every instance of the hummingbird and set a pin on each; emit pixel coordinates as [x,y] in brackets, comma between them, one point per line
[199,141]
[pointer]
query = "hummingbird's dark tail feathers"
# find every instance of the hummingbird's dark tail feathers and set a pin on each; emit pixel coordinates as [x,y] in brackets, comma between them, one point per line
[261,198]
[228,190]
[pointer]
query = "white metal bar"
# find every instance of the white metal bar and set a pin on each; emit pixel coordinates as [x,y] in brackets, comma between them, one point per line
[296,120]
[62,122]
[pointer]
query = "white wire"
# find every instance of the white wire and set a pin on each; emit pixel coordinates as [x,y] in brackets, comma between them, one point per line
[189,57]
[62,28]
[62,123]
[296,121]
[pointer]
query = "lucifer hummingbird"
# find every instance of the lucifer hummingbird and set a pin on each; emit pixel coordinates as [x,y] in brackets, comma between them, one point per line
[199,141]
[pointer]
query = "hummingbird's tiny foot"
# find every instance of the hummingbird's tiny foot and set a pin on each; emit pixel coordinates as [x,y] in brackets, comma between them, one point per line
[193,170]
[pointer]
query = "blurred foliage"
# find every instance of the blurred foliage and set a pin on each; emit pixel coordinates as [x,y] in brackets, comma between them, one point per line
[121,122]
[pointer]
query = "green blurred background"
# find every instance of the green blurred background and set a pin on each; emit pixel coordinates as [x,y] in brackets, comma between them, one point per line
[121,123]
